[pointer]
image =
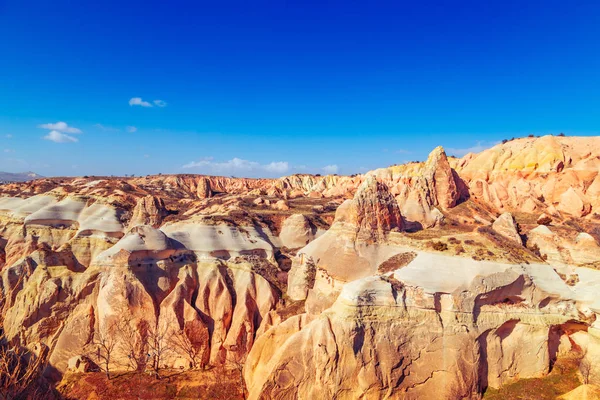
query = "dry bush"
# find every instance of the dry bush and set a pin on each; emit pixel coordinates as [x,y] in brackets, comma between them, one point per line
[438,246]
[453,240]
[396,262]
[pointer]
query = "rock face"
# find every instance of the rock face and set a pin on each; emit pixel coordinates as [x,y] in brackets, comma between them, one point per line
[574,203]
[438,328]
[372,212]
[297,231]
[506,226]
[149,210]
[534,174]
[204,191]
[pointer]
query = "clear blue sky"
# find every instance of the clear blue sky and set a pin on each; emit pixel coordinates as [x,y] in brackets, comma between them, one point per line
[272,88]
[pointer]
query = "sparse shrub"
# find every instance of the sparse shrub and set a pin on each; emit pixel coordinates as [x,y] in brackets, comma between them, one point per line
[453,240]
[438,246]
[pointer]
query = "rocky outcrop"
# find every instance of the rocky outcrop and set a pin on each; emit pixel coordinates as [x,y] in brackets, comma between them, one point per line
[356,243]
[203,190]
[506,226]
[574,203]
[424,190]
[373,211]
[297,231]
[149,210]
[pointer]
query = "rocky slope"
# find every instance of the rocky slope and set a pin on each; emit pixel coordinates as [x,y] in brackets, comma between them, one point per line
[437,279]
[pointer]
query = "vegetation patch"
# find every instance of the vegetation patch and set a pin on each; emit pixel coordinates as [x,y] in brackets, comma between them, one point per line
[396,262]
[561,380]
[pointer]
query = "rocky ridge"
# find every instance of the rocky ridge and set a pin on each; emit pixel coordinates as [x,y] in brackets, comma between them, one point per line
[418,279]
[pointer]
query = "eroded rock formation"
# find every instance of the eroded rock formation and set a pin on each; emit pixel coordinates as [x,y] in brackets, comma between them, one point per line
[436,279]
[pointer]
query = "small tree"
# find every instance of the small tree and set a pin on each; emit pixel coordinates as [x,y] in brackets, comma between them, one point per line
[194,352]
[585,368]
[104,344]
[133,341]
[159,345]
[236,359]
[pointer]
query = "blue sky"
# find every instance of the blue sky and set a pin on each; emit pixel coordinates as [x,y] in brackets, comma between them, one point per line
[269,88]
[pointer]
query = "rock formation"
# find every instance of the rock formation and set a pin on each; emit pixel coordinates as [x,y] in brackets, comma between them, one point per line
[505,225]
[399,283]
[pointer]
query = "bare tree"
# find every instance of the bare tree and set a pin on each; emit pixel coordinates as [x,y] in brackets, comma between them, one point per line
[194,350]
[585,367]
[104,345]
[20,371]
[159,345]
[132,339]
[235,359]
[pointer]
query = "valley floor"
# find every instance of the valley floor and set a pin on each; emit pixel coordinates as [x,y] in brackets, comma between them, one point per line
[210,384]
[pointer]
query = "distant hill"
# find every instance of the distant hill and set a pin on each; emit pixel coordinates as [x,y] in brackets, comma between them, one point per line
[18,177]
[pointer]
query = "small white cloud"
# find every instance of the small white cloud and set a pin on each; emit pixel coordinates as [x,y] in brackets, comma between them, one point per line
[477,148]
[146,155]
[9,151]
[106,128]
[8,136]
[58,137]
[278,167]
[137,101]
[402,151]
[60,127]
[160,103]
[131,129]
[238,166]
[330,169]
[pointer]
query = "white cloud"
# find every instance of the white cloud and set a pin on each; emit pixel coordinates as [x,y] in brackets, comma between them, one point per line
[238,166]
[106,128]
[477,148]
[330,169]
[9,151]
[160,103]
[131,129]
[57,137]
[280,167]
[60,127]
[137,101]
[8,136]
